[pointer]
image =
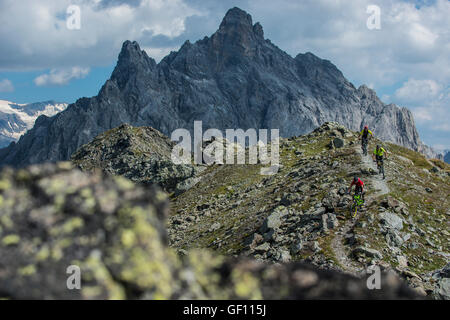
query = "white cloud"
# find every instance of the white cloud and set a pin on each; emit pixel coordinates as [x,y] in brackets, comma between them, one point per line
[6,86]
[37,36]
[61,77]
[159,53]
[429,102]
[414,91]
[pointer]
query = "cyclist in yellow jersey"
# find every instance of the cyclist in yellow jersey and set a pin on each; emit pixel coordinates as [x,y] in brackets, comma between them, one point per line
[365,135]
[377,156]
[378,153]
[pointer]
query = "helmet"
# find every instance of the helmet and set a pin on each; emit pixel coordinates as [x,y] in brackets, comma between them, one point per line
[366,127]
[378,146]
[355,178]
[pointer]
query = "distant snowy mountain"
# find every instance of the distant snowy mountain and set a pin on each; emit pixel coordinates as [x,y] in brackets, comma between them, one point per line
[16,119]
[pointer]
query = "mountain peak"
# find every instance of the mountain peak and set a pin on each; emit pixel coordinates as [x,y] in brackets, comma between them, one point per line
[236,16]
[237,36]
[131,61]
[237,20]
[130,51]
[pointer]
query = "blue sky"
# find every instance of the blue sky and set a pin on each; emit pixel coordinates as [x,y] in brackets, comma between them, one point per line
[406,61]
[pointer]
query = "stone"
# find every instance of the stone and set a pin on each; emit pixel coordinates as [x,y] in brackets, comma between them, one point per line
[402,261]
[393,238]
[338,143]
[332,220]
[263,248]
[215,226]
[296,247]
[391,220]
[282,255]
[368,252]
[273,221]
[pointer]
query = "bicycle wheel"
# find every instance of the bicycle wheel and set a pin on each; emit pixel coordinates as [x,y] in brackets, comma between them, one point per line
[355,212]
[364,148]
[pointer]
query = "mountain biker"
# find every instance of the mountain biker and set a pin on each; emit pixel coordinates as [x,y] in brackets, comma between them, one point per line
[378,154]
[365,135]
[359,186]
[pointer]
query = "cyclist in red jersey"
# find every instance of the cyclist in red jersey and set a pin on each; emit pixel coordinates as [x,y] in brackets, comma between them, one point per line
[359,186]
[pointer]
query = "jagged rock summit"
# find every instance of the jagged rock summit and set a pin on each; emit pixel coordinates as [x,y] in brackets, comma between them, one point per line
[232,79]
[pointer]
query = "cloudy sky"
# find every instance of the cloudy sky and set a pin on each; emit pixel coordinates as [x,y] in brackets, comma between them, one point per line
[44,56]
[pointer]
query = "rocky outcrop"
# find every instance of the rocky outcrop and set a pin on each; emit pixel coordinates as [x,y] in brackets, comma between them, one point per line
[442,276]
[232,79]
[53,217]
[140,154]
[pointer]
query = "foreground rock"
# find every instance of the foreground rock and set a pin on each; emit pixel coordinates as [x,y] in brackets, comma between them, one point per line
[53,216]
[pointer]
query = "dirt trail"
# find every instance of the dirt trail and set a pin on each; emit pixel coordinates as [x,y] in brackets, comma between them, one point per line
[341,251]
[378,183]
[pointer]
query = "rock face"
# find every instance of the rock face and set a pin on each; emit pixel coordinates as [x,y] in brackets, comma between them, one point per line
[16,119]
[53,217]
[233,79]
[140,154]
[447,156]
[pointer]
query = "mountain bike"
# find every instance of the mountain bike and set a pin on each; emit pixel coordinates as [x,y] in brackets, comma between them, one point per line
[380,166]
[357,203]
[364,143]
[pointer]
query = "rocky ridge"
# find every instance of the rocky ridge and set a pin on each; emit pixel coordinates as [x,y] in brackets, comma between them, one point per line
[142,155]
[301,213]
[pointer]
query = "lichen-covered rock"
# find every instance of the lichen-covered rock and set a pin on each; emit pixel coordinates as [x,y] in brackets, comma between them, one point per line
[141,154]
[53,216]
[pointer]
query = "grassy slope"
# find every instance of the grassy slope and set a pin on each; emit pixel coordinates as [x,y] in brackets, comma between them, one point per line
[239,199]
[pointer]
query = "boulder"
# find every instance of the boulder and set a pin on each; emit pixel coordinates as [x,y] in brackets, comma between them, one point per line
[273,221]
[368,252]
[391,220]
[337,143]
